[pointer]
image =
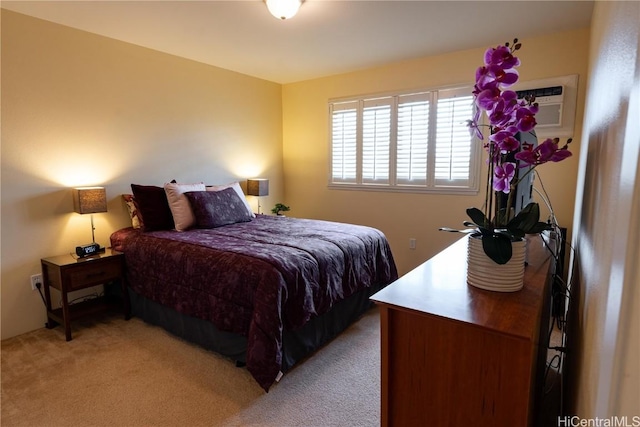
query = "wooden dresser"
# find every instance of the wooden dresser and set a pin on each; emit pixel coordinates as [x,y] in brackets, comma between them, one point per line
[454,355]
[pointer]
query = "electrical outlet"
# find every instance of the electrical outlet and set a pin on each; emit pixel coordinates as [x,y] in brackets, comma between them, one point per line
[35,278]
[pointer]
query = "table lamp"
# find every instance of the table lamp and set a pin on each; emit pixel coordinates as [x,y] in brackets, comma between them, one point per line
[89,200]
[258,187]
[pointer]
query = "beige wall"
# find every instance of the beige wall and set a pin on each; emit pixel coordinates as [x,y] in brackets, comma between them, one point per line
[81,109]
[607,225]
[404,216]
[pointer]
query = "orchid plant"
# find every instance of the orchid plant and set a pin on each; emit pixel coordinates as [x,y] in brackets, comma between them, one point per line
[506,116]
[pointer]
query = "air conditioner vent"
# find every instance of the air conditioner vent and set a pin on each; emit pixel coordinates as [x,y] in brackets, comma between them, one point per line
[540,92]
[556,99]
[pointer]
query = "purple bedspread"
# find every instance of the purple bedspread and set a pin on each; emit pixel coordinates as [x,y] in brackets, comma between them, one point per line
[258,277]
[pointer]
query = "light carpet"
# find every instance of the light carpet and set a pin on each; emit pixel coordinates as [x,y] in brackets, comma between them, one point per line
[129,373]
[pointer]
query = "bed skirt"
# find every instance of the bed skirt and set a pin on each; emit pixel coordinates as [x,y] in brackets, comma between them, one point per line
[296,344]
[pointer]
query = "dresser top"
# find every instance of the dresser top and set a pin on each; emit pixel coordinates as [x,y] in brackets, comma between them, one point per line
[438,287]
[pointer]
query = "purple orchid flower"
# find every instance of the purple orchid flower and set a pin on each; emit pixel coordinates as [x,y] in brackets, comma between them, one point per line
[527,157]
[502,176]
[484,79]
[504,109]
[526,118]
[500,135]
[474,129]
[502,56]
[505,77]
[500,116]
[487,98]
[548,151]
[508,144]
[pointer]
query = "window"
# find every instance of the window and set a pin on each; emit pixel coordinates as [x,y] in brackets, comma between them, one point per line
[405,142]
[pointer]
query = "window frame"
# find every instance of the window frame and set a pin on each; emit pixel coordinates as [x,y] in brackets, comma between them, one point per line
[470,187]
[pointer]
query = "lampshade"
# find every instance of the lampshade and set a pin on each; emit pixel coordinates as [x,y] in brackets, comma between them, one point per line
[87,200]
[283,9]
[258,187]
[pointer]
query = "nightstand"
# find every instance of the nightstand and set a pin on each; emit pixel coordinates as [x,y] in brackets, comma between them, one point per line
[67,273]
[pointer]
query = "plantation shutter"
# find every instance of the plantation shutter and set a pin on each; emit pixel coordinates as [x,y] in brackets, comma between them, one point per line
[412,139]
[453,145]
[376,140]
[411,142]
[344,152]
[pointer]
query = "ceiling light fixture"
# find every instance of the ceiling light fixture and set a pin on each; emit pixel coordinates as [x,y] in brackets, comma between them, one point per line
[283,9]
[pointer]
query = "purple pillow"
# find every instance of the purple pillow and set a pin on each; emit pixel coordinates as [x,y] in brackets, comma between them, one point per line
[217,208]
[153,207]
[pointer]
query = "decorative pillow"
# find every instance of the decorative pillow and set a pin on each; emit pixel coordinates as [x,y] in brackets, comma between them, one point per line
[153,207]
[217,208]
[238,190]
[180,208]
[129,200]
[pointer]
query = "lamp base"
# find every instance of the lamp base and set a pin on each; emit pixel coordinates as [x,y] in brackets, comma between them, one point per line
[88,250]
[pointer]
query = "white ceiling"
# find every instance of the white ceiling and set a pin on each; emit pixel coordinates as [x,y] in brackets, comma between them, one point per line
[326,37]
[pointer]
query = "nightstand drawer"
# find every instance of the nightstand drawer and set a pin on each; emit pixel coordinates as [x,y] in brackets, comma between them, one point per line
[90,275]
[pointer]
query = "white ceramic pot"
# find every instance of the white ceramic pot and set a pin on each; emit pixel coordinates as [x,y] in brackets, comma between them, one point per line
[485,273]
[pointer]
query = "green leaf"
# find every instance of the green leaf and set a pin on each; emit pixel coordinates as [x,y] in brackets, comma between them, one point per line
[478,217]
[517,234]
[539,228]
[497,247]
[526,219]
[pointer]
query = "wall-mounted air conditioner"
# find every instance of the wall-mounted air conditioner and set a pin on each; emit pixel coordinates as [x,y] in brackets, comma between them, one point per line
[556,98]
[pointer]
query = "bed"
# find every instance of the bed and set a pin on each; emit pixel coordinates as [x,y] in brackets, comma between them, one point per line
[265,292]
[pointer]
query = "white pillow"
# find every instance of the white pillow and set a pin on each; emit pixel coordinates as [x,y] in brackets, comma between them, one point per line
[183,217]
[238,189]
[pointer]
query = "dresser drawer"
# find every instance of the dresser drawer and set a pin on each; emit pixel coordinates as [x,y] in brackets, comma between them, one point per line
[90,275]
